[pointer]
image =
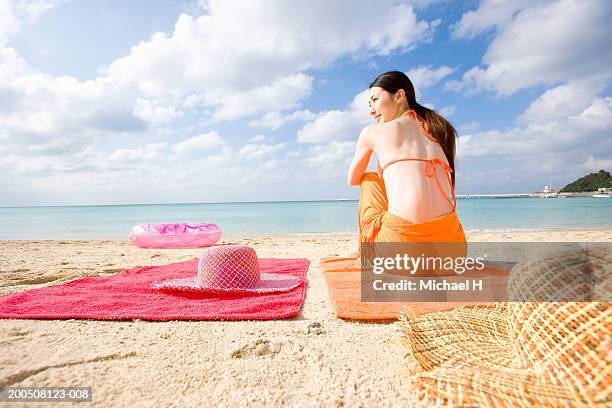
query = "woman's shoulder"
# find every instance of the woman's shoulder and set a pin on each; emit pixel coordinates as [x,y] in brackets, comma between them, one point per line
[377,128]
[390,129]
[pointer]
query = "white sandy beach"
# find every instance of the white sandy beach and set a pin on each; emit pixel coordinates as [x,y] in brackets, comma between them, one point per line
[312,360]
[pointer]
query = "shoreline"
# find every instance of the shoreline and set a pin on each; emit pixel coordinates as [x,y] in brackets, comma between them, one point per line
[588,194]
[314,359]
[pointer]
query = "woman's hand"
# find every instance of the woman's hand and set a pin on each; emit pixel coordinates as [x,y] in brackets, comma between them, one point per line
[378,169]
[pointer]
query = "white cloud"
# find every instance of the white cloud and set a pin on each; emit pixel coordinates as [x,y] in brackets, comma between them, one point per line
[331,125]
[275,119]
[42,107]
[253,150]
[206,61]
[562,101]
[225,158]
[256,139]
[425,76]
[281,93]
[338,125]
[593,164]
[541,42]
[263,174]
[55,147]
[152,151]
[53,127]
[14,13]
[8,20]
[574,137]
[597,117]
[564,131]
[489,14]
[210,53]
[206,141]
[192,101]
[330,159]
[155,113]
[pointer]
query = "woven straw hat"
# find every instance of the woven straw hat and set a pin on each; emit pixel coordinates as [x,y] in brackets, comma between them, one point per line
[230,269]
[518,353]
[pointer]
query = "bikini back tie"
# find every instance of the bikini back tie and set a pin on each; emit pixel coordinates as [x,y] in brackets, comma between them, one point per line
[430,171]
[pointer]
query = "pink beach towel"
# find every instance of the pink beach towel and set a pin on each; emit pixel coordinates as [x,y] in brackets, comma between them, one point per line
[128,295]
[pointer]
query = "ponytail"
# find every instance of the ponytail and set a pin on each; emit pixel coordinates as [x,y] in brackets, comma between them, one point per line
[442,130]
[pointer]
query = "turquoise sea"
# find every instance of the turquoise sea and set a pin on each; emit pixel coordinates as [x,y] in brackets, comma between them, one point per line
[291,217]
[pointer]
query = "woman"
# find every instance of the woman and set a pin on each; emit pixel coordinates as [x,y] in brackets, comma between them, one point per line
[408,199]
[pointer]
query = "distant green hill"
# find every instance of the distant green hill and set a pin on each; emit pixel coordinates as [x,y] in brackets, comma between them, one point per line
[590,182]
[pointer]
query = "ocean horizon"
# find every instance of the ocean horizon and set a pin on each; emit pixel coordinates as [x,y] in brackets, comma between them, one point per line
[273,218]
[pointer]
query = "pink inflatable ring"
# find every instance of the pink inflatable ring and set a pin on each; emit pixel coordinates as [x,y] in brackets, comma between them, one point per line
[183,235]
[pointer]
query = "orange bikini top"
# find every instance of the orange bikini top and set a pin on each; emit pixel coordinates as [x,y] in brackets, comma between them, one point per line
[430,164]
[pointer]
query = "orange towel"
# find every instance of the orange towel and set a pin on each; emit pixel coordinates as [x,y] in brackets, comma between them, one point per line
[343,277]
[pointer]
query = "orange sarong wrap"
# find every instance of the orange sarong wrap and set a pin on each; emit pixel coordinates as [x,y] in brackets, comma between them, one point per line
[376,224]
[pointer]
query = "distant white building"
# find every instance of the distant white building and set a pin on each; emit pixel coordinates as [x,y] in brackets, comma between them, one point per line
[547,192]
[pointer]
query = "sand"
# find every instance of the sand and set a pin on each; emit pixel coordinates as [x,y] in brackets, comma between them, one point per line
[312,360]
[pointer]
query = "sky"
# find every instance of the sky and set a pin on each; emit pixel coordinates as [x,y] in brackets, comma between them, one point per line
[115,102]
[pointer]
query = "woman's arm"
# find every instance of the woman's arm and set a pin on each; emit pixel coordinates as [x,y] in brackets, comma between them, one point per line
[363,152]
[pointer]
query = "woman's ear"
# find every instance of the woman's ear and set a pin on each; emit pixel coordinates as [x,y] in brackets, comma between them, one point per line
[399,94]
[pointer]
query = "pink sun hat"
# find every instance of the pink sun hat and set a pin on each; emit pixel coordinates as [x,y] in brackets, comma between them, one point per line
[230,269]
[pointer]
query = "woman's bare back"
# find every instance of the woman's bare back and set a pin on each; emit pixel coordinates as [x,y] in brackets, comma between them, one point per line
[411,194]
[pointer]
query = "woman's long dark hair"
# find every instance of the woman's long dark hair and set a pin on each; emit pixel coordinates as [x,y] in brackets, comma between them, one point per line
[439,128]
